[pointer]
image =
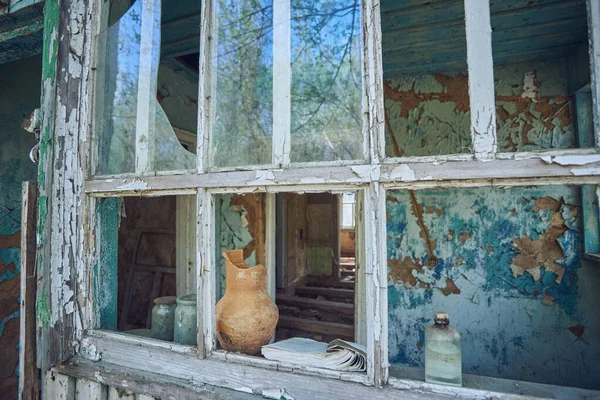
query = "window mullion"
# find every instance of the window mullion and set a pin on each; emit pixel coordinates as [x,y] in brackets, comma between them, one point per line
[282,84]
[207,42]
[374,217]
[481,78]
[146,98]
[206,273]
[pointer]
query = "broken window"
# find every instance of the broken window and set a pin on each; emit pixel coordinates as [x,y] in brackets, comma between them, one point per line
[134,112]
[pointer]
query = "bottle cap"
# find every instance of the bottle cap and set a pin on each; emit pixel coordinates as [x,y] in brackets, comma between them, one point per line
[441,318]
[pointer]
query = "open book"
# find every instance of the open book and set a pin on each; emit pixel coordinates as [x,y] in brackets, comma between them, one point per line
[339,354]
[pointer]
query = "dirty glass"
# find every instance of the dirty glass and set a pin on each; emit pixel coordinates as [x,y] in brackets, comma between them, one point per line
[132,133]
[243,86]
[326,67]
[542,76]
[426,88]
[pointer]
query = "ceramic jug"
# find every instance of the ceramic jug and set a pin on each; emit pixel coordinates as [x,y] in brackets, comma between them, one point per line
[246,315]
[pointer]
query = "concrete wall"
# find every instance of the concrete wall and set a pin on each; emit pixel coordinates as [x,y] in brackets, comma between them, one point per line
[506,264]
[19,95]
[429,114]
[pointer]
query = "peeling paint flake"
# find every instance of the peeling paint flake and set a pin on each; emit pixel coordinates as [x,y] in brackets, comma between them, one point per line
[572,160]
[135,184]
[403,173]
[262,177]
[367,172]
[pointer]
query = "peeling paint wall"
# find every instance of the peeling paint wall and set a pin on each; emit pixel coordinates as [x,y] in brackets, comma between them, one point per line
[430,114]
[19,95]
[240,224]
[505,263]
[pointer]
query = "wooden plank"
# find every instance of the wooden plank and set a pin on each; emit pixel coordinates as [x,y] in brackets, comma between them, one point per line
[593,12]
[329,293]
[86,389]
[58,386]
[308,303]
[186,245]
[481,78]
[120,394]
[282,78]
[319,282]
[206,273]
[29,375]
[151,385]
[314,326]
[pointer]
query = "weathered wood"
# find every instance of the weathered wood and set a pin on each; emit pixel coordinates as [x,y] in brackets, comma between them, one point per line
[120,394]
[373,106]
[481,78]
[321,327]
[320,282]
[328,293]
[186,245]
[63,139]
[207,47]
[58,386]
[29,375]
[375,271]
[317,179]
[146,385]
[306,303]
[206,274]
[86,389]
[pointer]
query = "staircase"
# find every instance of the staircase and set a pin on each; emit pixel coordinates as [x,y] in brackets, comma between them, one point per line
[322,310]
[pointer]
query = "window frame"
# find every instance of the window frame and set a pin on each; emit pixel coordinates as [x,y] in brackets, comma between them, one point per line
[374,176]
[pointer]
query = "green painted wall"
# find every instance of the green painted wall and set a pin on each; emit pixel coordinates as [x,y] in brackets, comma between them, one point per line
[430,114]
[506,265]
[19,96]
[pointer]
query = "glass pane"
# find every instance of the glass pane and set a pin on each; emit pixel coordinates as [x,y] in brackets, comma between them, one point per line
[326,57]
[425,78]
[243,108]
[507,266]
[132,132]
[542,75]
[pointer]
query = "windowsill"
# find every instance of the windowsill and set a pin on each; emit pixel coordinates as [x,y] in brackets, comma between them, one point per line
[142,356]
[93,341]
[414,379]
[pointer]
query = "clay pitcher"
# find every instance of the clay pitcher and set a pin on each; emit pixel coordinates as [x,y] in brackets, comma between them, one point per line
[246,315]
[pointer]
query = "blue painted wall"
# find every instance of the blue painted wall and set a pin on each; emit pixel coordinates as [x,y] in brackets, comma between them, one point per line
[19,95]
[506,264]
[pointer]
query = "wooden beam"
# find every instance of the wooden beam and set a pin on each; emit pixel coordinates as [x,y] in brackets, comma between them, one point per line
[86,389]
[481,78]
[205,78]
[29,375]
[315,326]
[315,304]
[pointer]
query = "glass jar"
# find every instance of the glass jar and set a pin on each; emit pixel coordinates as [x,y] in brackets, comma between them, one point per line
[185,320]
[163,316]
[443,363]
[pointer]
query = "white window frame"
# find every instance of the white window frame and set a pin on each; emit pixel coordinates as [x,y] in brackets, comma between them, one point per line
[374,176]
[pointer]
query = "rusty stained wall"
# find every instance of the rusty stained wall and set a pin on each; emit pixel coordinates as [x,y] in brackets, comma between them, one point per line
[506,265]
[19,95]
[429,114]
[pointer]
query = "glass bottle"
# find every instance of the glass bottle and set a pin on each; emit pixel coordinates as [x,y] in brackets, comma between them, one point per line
[163,318]
[185,320]
[443,362]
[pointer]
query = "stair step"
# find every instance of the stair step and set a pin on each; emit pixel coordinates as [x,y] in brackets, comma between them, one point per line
[321,327]
[328,293]
[318,282]
[307,303]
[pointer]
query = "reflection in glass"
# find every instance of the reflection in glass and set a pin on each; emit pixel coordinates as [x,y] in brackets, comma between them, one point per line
[326,80]
[126,107]
[243,120]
